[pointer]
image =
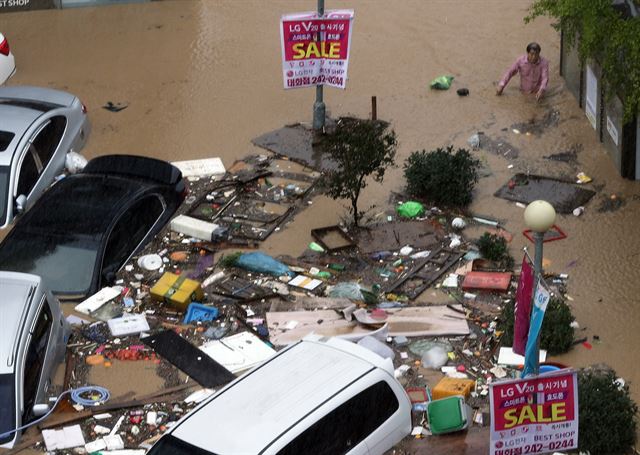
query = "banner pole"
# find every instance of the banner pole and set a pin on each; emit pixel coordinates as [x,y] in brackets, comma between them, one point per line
[319,108]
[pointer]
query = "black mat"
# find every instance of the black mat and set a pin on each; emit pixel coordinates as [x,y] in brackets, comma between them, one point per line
[189,359]
[562,195]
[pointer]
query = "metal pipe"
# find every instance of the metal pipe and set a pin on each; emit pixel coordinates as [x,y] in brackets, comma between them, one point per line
[319,109]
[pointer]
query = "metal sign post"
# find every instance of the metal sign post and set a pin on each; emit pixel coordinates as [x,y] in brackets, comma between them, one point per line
[319,107]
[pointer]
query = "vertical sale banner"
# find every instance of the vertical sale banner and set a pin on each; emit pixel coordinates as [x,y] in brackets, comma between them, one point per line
[534,415]
[315,50]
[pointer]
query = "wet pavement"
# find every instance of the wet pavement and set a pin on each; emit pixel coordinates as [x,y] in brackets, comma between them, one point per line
[202,79]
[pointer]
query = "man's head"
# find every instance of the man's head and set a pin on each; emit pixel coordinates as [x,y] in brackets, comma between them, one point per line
[533,52]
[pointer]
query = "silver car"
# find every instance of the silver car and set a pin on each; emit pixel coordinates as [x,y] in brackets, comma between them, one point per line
[38,127]
[33,338]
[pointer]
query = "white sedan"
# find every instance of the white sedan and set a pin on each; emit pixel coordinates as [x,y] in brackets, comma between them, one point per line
[7,62]
[38,127]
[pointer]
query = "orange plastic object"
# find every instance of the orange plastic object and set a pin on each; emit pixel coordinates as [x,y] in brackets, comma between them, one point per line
[448,387]
[96,359]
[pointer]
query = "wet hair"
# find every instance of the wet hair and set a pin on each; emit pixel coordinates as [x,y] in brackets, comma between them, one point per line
[533,47]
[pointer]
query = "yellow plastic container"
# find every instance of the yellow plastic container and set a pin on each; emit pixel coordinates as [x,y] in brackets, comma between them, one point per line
[178,291]
[448,387]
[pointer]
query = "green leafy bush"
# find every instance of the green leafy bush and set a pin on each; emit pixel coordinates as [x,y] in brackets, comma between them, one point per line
[556,335]
[442,176]
[494,248]
[608,415]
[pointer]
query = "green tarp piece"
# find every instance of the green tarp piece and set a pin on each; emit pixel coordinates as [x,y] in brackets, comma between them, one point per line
[441,83]
[410,209]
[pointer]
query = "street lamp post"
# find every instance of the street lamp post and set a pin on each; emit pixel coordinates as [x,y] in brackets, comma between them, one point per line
[539,216]
[319,107]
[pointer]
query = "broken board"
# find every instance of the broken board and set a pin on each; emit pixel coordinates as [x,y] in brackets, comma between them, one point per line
[414,321]
[562,195]
[189,359]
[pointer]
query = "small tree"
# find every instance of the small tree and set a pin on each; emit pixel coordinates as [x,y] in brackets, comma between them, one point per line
[442,176]
[361,148]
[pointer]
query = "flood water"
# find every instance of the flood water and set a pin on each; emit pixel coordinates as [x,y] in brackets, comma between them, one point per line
[202,78]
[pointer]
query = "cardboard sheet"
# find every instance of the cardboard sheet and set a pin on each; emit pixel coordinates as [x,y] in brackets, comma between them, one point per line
[416,321]
[238,352]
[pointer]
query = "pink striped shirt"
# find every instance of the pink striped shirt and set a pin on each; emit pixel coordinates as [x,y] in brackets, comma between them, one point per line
[533,76]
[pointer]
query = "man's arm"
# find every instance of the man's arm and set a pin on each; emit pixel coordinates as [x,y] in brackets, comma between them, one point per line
[512,71]
[544,79]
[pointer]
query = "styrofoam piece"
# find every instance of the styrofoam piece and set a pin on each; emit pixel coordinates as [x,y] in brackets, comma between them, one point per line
[206,166]
[98,299]
[193,227]
[128,325]
[508,357]
[65,438]
[238,352]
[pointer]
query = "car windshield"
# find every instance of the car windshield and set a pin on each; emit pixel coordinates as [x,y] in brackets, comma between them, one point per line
[170,445]
[65,263]
[7,398]
[4,192]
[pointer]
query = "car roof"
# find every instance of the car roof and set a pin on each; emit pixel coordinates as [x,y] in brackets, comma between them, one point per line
[83,204]
[17,294]
[15,120]
[37,94]
[272,398]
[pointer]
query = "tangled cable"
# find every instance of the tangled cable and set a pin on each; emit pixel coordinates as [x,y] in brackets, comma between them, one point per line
[99,395]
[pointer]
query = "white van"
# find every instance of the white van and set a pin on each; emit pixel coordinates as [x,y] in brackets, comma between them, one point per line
[317,396]
[33,341]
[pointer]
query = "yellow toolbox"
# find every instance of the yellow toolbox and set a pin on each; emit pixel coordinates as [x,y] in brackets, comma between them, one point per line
[177,290]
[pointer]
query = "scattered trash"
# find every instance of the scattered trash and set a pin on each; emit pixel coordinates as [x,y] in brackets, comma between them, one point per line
[583,178]
[150,262]
[198,312]
[441,83]
[410,209]
[262,263]
[66,438]
[578,211]
[117,107]
[463,92]
[128,325]
[74,162]
[434,358]
[458,223]
[176,290]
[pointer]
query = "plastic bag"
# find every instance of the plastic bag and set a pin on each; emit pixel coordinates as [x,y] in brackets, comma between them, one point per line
[74,162]
[346,290]
[441,83]
[262,263]
[435,358]
[410,209]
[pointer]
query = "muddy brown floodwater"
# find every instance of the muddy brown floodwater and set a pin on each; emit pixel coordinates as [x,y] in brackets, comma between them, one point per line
[202,78]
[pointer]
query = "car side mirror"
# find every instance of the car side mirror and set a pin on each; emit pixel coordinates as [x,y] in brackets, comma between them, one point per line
[109,277]
[39,410]
[21,203]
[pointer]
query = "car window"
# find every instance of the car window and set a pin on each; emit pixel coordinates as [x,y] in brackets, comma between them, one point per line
[129,231]
[170,445]
[35,360]
[48,139]
[42,253]
[4,192]
[29,173]
[7,398]
[347,425]
[5,139]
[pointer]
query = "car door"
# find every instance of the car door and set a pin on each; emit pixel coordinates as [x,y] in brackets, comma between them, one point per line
[38,156]
[127,234]
[36,363]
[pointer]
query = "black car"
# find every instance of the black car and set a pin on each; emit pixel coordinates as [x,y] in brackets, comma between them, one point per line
[88,225]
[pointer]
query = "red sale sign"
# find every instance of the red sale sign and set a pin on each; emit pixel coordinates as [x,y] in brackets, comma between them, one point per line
[535,415]
[315,50]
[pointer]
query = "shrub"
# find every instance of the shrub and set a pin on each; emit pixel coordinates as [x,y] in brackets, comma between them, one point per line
[442,176]
[607,423]
[494,248]
[556,335]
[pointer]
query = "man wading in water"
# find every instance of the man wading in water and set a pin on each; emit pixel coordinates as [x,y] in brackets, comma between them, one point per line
[533,69]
